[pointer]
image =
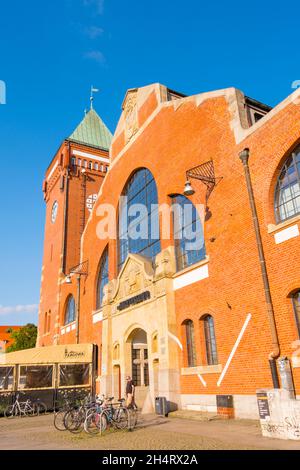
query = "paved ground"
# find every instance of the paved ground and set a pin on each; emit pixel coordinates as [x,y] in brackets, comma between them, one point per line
[153,433]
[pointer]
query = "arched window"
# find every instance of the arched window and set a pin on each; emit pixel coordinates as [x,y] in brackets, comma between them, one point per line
[139,226]
[210,340]
[70,313]
[190,343]
[188,233]
[103,278]
[296,305]
[287,194]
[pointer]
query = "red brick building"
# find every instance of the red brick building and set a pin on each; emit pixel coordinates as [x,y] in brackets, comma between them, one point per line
[187,324]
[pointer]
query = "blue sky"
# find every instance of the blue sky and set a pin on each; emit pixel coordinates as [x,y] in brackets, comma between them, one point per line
[52,52]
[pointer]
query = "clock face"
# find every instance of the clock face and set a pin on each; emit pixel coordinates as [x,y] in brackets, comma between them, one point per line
[54,212]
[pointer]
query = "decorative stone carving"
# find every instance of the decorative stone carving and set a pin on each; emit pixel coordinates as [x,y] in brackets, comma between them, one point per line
[108,291]
[131,115]
[136,276]
[165,263]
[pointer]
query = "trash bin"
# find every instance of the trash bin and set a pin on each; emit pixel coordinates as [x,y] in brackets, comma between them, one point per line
[161,406]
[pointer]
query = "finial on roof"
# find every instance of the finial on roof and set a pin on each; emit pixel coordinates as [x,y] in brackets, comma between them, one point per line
[93,90]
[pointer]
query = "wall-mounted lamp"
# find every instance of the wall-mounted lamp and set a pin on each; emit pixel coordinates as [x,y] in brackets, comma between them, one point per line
[188,189]
[205,173]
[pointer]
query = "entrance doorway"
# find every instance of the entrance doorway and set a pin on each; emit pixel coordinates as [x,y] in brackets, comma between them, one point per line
[137,364]
[139,357]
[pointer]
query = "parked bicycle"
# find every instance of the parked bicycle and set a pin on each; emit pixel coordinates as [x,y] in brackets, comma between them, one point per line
[75,417]
[106,416]
[25,408]
[59,415]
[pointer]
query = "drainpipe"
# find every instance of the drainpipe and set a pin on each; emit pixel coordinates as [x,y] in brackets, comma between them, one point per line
[274,354]
[78,308]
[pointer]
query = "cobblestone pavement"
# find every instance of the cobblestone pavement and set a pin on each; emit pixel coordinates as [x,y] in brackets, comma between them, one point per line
[152,433]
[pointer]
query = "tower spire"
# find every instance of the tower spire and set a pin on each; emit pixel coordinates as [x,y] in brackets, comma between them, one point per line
[93,90]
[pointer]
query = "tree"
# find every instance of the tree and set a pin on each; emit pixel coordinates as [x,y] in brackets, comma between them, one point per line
[25,338]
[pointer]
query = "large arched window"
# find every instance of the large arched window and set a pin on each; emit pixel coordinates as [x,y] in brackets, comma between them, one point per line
[190,343]
[70,313]
[102,278]
[139,217]
[188,233]
[287,194]
[210,340]
[296,306]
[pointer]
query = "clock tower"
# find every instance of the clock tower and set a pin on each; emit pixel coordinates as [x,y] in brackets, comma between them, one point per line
[71,185]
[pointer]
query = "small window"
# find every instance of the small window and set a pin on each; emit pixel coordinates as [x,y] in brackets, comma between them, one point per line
[79,161]
[74,374]
[73,161]
[70,314]
[190,343]
[85,163]
[296,305]
[35,377]
[287,194]
[45,322]
[96,166]
[49,321]
[90,165]
[210,340]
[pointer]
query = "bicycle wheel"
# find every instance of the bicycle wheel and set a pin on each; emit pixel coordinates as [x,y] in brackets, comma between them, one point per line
[103,423]
[74,420]
[59,420]
[121,418]
[92,422]
[9,411]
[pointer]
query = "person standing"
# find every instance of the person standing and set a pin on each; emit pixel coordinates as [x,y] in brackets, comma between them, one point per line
[130,388]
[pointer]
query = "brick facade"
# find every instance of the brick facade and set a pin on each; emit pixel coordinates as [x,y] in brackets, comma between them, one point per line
[168,137]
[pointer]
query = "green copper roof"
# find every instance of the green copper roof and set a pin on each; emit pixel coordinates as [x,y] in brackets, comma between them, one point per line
[92,131]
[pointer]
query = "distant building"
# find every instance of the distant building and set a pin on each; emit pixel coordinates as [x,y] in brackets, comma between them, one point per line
[5,336]
[188,325]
